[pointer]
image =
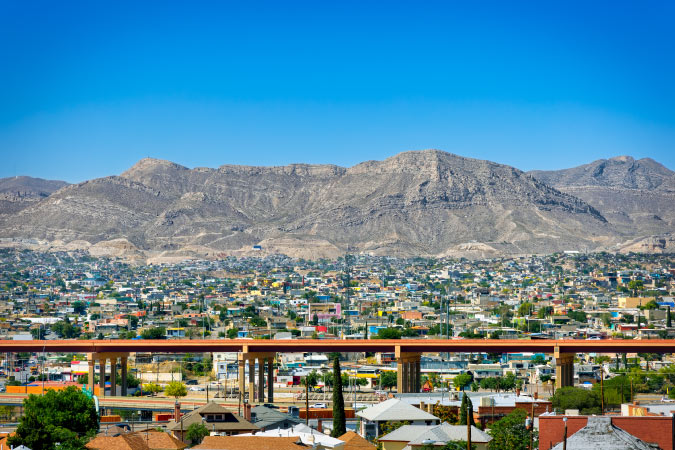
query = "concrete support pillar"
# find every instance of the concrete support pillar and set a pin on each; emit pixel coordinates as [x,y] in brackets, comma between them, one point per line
[102,358]
[418,374]
[270,379]
[564,369]
[406,375]
[101,376]
[258,393]
[408,370]
[241,377]
[92,373]
[124,362]
[411,375]
[399,376]
[251,380]
[261,380]
[113,376]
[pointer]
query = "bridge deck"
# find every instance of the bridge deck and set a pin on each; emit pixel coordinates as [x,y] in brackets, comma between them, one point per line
[335,345]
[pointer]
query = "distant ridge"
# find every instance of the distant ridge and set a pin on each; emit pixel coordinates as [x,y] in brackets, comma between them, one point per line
[416,203]
[636,196]
[18,192]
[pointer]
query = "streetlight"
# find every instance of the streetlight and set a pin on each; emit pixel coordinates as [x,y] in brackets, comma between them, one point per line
[565,434]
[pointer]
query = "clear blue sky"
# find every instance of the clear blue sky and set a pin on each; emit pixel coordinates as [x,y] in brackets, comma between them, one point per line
[88,88]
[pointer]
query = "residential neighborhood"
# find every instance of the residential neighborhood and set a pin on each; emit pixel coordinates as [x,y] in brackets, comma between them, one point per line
[565,296]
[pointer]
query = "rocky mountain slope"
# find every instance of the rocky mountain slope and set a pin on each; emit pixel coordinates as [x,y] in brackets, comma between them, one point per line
[16,193]
[415,203]
[637,197]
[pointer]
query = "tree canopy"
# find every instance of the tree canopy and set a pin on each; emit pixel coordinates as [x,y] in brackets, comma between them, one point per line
[339,419]
[587,402]
[462,380]
[388,333]
[388,379]
[175,389]
[67,417]
[154,333]
[510,432]
[196,433]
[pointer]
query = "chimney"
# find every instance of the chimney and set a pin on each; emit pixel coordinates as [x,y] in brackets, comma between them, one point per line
[247,411]
[536,395]
[422,405]
[176,411]
[319,426]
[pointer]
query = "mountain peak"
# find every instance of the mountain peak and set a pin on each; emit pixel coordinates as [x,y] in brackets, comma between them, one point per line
[623,159]
[149,166]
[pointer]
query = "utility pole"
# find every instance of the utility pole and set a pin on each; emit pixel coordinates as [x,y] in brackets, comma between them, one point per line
[602,393]
[468,428]
[306,401]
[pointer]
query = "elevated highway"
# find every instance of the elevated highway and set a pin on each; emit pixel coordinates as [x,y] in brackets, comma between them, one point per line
[406,351]
[336,345]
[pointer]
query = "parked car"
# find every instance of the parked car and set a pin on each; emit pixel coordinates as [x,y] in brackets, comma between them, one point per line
[318,405]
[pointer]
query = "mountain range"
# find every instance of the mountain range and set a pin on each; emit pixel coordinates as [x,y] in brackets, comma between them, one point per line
[418,203]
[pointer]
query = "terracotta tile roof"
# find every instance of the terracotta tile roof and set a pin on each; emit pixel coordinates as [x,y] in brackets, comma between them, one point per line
[250,443]
[355,442]
[122,442]
[231,423]
[139,440]
[159,440]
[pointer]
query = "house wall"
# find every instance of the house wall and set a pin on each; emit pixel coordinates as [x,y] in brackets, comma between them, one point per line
[656,430]
[393,445]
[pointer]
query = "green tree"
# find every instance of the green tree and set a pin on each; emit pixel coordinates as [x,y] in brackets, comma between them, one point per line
[132,381]
[669,319]
[439,329]
[489,383]
[65,329]
[587,402]
[525,309]
[510,432]
[196,433]
[466,411]
[392,425]
[154,333]
[388,333]
[538,360]
[257,321]
[507,382]
[579,316]
[232,333]
[38,333]
[388,379]
[462,380]
[67,417]
[152,388]
[79,308]
[339,419]
[311,379]
[175,389]
[635,285]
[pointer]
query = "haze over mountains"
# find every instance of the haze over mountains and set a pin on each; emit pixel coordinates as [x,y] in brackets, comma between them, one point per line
[412,204]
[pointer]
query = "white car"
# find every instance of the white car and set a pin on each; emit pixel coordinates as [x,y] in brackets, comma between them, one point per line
[196,388]
[318,405]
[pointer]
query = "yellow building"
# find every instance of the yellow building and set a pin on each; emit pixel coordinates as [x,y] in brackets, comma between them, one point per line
[633,302]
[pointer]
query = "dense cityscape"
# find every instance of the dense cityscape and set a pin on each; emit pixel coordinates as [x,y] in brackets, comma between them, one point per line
[599,296]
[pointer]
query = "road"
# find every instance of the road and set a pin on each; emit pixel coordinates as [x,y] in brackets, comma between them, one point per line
[337,345]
